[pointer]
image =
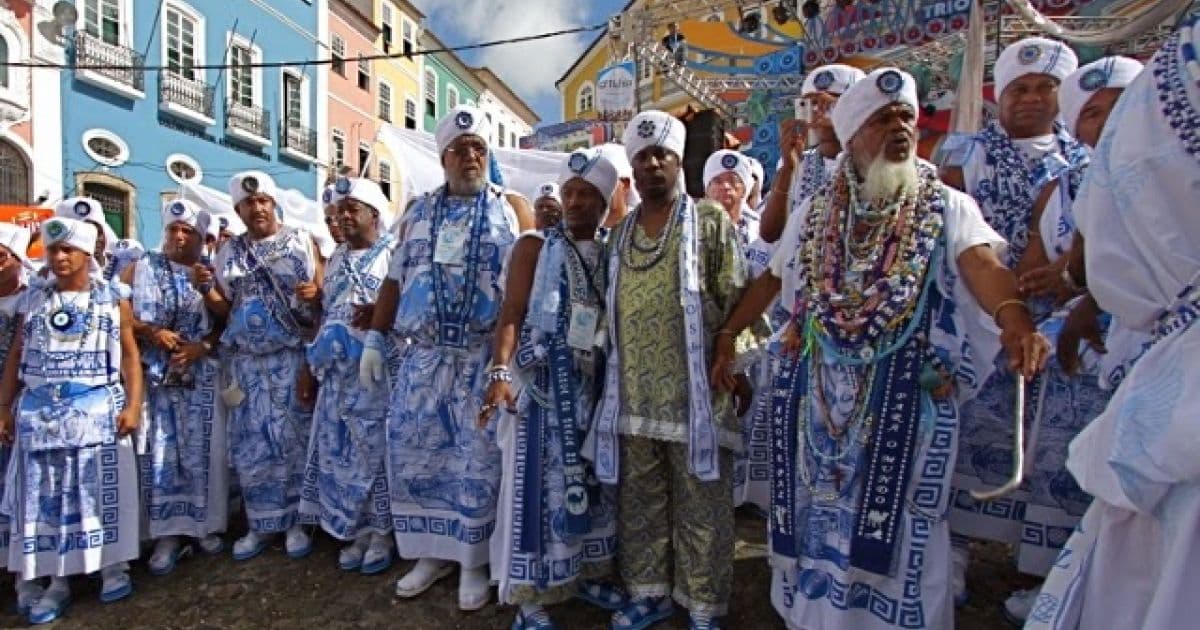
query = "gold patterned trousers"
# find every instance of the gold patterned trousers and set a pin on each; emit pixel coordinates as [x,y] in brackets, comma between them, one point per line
[671,521]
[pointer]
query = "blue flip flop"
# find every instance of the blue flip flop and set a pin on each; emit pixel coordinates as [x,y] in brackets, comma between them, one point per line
[602,595]
[643,613]
[180,551]
[377,567]
[50,615]
[539,621]
[116,595]
[253,553]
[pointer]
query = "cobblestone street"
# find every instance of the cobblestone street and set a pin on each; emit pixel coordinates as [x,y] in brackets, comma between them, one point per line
[273,591]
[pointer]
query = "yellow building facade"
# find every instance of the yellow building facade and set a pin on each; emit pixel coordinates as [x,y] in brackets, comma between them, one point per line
[399,23]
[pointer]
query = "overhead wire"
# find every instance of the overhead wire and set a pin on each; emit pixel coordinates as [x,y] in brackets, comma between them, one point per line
[309,62]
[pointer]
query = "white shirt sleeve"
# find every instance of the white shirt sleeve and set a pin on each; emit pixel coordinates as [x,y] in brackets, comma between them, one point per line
[785,248]
[965,227]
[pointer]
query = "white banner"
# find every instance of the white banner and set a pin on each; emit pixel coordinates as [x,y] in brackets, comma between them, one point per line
[420,166]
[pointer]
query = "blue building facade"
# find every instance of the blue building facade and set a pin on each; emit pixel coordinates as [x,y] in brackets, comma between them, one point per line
[133,132]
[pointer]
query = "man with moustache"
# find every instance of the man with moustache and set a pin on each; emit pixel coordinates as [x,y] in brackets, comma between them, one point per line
[557,526]
[802,173]
[864,398]
[329,204]
[548,206]
[1008,168]
[441,299]
[269,278]
[675,269]
[345,482]
[185,468]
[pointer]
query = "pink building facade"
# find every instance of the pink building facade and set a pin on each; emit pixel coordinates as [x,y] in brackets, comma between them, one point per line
[353,90]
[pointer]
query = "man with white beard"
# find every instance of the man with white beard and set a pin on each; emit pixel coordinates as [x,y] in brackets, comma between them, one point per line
[883,285]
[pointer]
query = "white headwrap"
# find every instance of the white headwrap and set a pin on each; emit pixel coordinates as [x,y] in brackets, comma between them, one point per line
[1077,89]
[1033,55]
[330,196]
[461,121]
[883,86]
[834,78]
[184,211]
[727,161]
[16,238]
[248,183]
[88,209]
[595,166]
[365,191]
[78,234]
[548,189]
[654,129]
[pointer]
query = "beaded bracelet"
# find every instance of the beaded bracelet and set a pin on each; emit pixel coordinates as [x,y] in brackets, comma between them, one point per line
[498,374]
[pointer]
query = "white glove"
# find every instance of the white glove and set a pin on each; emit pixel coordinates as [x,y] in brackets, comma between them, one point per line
[370,366]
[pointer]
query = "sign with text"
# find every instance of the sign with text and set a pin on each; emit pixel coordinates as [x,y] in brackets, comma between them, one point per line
[615,86]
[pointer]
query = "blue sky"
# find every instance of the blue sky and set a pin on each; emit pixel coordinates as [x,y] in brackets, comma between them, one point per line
[529,68]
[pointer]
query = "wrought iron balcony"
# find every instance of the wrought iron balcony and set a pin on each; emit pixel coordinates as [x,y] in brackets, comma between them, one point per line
[185,97]
[109,66]
[297,140]
[252,124]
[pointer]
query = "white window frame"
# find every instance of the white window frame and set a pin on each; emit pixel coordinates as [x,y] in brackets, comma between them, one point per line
[385,168]
[590,88]
[387,17]
[198,33]
[122,156]
[451,97]
[337,52]
[428,91]
[256,73]
[384,86]
[186,159]
[335,135]
[416,112]
[358,72]
[124,19]
[408,34]
[17,90]
[364,150]
[500,134]
[305,103]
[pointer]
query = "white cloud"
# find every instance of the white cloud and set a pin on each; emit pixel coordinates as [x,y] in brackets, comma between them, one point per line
[529,68]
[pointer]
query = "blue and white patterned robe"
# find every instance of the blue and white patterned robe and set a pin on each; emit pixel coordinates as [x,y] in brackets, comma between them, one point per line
[751,468]
[814,584]
[345,482]
[71,491]
[1040,516]
[443,472]
[557,556]
[9,318]
[263,346]
[184,467]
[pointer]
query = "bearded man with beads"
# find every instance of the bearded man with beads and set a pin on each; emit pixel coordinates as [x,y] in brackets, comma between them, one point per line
[884,287]
[442,295]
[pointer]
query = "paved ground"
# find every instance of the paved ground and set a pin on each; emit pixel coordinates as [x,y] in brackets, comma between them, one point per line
[273,591]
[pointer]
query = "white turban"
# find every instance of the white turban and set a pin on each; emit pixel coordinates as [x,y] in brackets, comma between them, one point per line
[329,196]
[596,167]
[654,129]
[249,183]
[463,120]
[88,209]
[834,78]
[1077,89]
[16,238]
[78,234]
[727,161]
[365,191]
[1033,55]
[184,211]
[130,249]
[549,190]
[882,87]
